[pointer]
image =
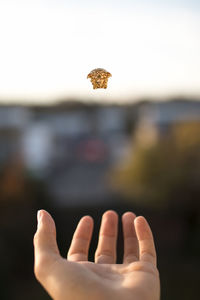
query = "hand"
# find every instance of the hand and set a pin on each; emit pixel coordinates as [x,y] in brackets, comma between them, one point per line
[76,278]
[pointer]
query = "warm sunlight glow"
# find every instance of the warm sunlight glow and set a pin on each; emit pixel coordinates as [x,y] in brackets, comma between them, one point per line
[49,47]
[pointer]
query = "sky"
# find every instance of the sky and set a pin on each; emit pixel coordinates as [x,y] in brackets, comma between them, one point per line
[47,48]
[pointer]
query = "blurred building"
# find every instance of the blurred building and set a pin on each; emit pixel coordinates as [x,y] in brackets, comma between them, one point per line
[155,119]
[13,121]
[36,146]
[70,147]
[85,143]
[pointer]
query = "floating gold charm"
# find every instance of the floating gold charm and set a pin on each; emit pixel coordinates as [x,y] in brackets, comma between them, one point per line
[99,78]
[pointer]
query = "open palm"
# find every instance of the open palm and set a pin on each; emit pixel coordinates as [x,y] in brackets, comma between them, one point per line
[75,278]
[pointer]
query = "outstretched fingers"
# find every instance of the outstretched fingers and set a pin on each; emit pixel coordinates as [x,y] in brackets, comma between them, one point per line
[106,249]
[145,238]
[130,239]
[79,248]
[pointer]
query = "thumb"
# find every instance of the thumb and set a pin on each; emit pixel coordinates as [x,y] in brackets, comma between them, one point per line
[45,245]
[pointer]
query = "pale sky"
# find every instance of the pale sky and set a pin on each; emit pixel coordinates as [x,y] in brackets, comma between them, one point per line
[47,48]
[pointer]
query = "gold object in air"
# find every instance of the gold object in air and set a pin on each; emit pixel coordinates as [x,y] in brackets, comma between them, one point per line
[99,78]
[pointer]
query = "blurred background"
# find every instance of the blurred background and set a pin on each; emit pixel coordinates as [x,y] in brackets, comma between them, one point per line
[72,150]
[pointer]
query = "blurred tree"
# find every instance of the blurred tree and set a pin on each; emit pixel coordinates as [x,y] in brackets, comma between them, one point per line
[165,172]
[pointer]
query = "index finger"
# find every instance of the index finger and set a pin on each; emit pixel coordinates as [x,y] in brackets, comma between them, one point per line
[78,250]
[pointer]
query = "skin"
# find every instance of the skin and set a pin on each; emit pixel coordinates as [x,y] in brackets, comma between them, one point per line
[76,278]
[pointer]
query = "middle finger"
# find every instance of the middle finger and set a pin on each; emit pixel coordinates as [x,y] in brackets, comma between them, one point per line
[106,249]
